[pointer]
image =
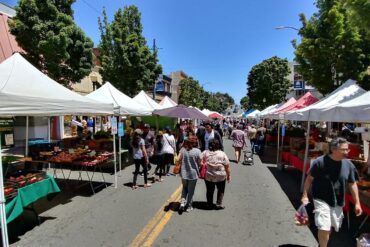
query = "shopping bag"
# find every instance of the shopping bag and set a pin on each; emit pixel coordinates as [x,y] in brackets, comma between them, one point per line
[301,216]
[177,168]
[203,167]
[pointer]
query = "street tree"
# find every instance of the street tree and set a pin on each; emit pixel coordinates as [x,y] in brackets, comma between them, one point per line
[51,40]
[191,93]
[244,102]
[333,46]
[267,83]
[127,61]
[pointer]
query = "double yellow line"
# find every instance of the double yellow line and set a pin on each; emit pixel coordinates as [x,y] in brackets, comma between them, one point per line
[155,226]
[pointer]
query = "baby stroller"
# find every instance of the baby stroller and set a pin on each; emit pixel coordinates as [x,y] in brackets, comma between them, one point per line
[248,156]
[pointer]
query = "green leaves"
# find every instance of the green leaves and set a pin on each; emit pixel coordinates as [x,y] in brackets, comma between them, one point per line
[53,43]
[334,45]
[267,84]
[127,61]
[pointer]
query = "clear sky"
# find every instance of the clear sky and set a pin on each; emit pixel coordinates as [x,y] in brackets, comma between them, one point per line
[216,42]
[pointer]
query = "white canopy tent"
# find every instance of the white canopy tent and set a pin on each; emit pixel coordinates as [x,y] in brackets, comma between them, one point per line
[349,90]
[123,104]
[166,102]
[254,114]
[269,109]
[25,91]
[20,78]
[143,99]
[326,110]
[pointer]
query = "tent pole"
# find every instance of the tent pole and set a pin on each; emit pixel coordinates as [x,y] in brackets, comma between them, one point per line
[4,226]
[305,154]
[27,126]
[115,160]
[120,150]
[49,137]
[278,144]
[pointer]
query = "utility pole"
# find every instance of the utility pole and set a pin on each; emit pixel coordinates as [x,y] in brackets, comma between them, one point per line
[155,53]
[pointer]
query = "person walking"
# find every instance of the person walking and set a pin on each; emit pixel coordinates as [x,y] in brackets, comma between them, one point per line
[209,134]
[252,134]
[168,150]
[189,156]
[140,158]
[238,138]
[158,156]
[218,172]
[329,175]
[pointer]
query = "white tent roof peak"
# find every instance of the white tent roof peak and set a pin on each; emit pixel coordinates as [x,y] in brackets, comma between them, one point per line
[146,101]
[125,105]
[166,102]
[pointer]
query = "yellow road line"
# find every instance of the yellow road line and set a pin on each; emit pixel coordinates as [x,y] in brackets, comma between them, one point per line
[158,229]
[153,221]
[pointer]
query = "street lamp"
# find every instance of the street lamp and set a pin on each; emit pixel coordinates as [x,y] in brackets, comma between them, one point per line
[286,27]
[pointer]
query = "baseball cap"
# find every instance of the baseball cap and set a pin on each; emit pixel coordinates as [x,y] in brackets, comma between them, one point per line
[146,125]
[139,131]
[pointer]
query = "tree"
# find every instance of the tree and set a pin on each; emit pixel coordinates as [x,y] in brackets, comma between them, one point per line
[127,61]
[333,47]
[191,93]
[267,83]
[244,102]
[52,42]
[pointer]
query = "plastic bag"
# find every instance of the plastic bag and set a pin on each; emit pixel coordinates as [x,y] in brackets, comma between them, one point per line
[301,216]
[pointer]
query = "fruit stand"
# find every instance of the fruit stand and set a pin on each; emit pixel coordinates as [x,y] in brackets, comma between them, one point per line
[25,191]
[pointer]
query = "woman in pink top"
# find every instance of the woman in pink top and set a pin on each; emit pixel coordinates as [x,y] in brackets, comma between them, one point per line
[238,137]
[218,171]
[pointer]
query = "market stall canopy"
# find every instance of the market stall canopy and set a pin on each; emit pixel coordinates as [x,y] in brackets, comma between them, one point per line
[181,111]
[254,114]
[246,113]
[349,90]
[302,102]
[269,109]
[30,92]
[123,104]
[216,115]
[143,99]
[355,110]
[284,105]
[166,102]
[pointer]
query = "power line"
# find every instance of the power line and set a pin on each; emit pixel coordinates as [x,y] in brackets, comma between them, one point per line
[91,6]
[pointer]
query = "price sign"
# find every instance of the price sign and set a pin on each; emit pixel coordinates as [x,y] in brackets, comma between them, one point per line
[114,125]
[121,128]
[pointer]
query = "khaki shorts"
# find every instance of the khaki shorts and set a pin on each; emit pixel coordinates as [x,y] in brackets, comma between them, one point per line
[326,216]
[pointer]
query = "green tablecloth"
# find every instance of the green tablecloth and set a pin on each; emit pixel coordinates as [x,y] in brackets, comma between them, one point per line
[29,194]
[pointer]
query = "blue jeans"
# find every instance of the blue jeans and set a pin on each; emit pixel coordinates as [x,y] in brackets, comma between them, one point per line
[188,188]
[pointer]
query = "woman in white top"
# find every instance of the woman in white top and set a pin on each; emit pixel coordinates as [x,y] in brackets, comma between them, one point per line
[168,149]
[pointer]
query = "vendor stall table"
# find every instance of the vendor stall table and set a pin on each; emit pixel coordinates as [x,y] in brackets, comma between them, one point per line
[29,194]
[293,161]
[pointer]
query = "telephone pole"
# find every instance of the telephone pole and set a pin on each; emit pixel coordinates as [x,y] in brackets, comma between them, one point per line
[155,53]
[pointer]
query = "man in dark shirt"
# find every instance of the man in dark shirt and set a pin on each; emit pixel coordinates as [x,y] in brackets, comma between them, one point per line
[329,176]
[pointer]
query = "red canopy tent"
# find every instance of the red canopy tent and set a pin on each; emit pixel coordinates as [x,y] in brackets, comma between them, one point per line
[302,102]
[215,115]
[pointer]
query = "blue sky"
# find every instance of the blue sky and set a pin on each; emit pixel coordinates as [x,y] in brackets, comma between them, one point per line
[216,42]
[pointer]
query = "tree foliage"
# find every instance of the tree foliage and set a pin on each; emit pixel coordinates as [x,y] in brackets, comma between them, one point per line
[333,47]
[52,42]
[192,94]
[244,102]
[267,83]
[127,61]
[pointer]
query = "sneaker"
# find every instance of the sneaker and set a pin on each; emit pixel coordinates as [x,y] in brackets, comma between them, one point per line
[147,185]
[134,187]
[182,204]
[188,209]
[220,207]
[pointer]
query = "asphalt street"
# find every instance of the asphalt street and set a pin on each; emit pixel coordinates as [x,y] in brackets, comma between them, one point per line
[257,213]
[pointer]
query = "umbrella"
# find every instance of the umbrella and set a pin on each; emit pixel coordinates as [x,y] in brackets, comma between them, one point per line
[181,111]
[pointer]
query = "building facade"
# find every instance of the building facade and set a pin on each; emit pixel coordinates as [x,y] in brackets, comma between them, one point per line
[176,77]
